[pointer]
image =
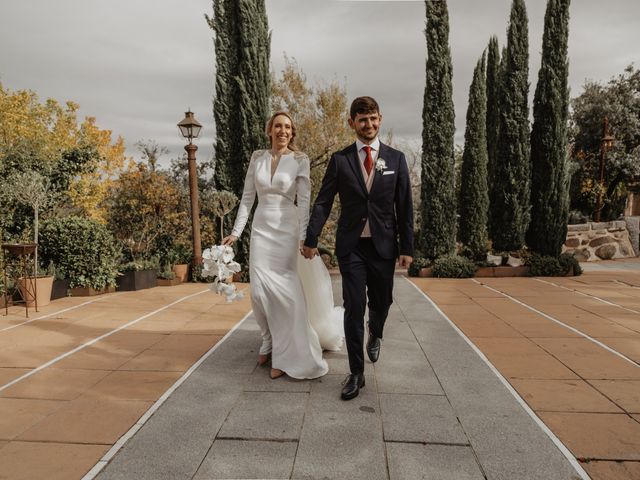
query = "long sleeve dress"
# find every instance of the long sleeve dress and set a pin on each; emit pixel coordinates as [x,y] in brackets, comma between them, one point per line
[277,296]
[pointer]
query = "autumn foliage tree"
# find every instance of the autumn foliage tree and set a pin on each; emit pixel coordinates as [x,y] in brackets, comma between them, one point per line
[142,205]
[320,112]
[77,157]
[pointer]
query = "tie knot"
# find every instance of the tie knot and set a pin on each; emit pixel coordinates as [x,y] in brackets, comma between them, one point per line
[367,149]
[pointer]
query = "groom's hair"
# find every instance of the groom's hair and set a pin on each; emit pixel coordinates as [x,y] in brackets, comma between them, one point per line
[363,105]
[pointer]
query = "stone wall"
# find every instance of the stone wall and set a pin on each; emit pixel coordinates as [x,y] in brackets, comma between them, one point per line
[599,241]
[633,227]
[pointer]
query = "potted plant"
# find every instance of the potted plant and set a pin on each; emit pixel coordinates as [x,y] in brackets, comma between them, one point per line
[138,275]
[182,260]
[32,189]
[167,278]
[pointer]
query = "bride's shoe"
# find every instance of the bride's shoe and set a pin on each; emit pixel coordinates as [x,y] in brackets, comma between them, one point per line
[263,358]
[275,373]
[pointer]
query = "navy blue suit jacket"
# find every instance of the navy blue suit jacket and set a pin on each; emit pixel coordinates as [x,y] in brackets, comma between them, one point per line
[388,206]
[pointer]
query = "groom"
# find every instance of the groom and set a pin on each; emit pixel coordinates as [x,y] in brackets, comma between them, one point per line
[372,181]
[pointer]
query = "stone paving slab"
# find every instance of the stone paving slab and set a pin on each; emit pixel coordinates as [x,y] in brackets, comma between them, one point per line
[265,415]
[431,408]
[228,459]
[420,419]
[441,462]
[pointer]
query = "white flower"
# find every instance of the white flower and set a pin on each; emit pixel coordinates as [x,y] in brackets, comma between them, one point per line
[381,165]
[217,262]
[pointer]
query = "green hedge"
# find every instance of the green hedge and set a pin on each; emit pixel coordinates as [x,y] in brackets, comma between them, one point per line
[453,266]
[82,250]
[417,264]
[548,266]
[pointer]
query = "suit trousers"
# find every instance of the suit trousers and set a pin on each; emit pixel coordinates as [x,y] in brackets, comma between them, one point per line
[365,275]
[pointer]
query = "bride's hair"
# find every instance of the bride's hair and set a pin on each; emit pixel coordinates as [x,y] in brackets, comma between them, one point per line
[267,130]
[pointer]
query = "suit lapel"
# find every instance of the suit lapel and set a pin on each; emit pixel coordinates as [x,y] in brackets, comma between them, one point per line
[354,162]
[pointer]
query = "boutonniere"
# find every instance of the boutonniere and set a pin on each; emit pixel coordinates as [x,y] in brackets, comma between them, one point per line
[381,165]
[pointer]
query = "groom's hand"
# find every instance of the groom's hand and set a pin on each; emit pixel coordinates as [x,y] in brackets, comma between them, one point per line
[309,252]
[405,261]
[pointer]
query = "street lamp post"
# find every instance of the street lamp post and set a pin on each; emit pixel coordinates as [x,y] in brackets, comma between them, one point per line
[190,129]
[606,142]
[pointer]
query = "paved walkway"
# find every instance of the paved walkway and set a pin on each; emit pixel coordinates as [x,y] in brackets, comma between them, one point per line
[431,409]
[461,390]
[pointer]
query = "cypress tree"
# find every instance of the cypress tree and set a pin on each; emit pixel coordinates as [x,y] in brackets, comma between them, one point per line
[241,104]
[438,225]
[511,210]
[474,197]
[549,160]
[493,111]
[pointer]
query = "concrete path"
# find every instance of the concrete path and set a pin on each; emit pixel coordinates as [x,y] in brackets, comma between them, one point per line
[432,408]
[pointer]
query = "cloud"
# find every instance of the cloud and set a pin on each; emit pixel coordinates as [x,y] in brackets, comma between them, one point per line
[138,65]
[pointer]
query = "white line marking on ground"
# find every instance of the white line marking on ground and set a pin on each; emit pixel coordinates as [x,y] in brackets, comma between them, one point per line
[569,327]
[95,340]
[588,295]
[55,313]
[565,451]
[133,430]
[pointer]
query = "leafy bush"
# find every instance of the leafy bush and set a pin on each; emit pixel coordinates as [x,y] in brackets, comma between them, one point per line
[547,266]
[544,266]
[82,250]
[167,274]
[152,263]
[568,262]
[576,217]
[453,266]
[196,274]
[417,264]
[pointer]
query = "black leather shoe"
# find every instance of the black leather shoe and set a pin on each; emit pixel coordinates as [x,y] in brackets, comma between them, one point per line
[373,348]
[352,386]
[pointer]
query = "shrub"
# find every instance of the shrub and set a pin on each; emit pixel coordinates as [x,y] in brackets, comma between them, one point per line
[167,273]
[418,264]
[82,250]
[152,263]
[544,266]
[453,266]
[569,262]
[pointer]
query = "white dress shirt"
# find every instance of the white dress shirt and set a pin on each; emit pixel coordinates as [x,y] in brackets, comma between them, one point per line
[368,178]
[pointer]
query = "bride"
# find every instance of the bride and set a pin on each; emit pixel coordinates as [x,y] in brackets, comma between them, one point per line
[291,296]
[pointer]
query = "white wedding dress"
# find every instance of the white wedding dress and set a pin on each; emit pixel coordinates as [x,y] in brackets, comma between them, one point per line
[297,322]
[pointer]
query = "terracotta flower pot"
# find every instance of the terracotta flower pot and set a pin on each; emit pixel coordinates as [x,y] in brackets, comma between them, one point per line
[41,285]
[182,272]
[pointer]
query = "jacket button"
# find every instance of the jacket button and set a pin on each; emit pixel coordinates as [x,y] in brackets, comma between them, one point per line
[364,219]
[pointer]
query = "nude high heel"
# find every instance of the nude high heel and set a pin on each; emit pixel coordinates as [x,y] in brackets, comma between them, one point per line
[275,373]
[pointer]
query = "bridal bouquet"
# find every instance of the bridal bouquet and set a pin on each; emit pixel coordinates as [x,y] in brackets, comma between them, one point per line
[218,263]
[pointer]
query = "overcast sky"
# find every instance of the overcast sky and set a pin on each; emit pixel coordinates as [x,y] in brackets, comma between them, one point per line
[137,65]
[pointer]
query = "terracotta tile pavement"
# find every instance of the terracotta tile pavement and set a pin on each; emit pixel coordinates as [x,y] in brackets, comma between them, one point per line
[78,407]
[596,435]
[613,470]
[17,460]
[587,396]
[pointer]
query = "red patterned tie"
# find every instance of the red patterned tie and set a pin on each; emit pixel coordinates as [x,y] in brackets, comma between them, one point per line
[368,161]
